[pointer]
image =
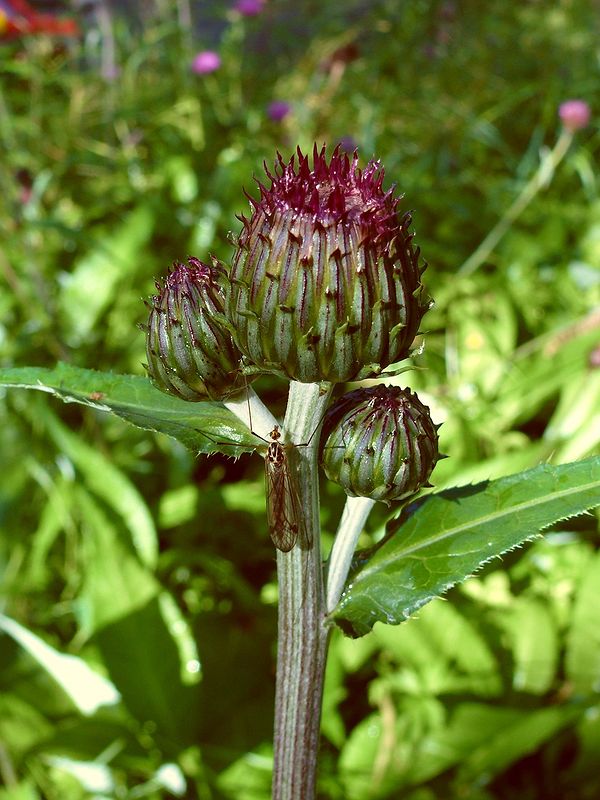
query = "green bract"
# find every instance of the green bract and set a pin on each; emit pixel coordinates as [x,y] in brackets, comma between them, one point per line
[325,282]
[380,443]
[189,353]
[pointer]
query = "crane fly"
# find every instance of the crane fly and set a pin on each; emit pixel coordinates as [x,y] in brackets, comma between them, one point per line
[284,510]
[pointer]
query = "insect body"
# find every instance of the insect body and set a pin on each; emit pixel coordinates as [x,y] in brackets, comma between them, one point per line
[284,512]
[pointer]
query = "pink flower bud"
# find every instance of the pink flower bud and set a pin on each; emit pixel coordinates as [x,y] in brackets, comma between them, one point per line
[205,62]
[574,114]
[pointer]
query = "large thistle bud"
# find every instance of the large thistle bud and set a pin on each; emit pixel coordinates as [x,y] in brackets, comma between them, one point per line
[379,442]
[189,353]
[325,282]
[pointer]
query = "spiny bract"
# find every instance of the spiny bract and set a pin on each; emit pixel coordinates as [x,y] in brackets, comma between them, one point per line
[325,283]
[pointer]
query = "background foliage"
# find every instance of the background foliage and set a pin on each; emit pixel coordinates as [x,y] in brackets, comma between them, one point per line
[137,594]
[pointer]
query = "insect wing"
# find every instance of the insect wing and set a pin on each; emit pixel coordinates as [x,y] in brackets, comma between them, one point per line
[284,514]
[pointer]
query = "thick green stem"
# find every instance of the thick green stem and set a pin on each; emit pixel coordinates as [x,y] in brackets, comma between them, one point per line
[302,633]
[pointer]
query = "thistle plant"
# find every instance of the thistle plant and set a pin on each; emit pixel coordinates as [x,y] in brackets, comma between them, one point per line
[324,287]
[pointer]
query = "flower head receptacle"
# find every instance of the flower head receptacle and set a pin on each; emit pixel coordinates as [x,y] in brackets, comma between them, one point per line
[379,442]
[189,353]
[325,282]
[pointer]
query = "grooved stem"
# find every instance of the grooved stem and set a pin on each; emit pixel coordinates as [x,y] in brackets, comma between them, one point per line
[302,633]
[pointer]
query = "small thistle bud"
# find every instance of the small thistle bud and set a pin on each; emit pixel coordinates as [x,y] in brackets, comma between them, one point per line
[380,443]
[206,62]
[574,115]
[189,354]
[325,282]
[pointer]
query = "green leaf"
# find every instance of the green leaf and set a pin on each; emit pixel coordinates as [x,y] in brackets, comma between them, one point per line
[502,748]
[533,638]
[20,791]
[445,649]
[87,689]
[539,371]
[485,739]
[203,427]
[22,722]
[144,641]
[91,286]
[109,483]
[574,429]
[583,642]
[248,778]
[448,535]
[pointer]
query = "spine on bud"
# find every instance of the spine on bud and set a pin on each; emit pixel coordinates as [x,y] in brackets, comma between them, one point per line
[325,282]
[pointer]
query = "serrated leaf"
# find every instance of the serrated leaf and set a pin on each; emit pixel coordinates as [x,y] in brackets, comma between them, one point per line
[448,535]
[203,427]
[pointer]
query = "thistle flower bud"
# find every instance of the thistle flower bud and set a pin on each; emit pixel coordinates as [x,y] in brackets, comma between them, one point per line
[325,282]
[380,443]
[189,354]
[574,114]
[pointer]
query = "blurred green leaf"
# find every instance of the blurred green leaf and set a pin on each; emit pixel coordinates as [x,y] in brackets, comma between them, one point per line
[53,519]
[109,483]
[574,428]
[24,790]
[139,635]
[540,370]
[583,640]
[517,740]
[332,725]
[469,726]
[359,756]
[177,506]
[115,582]
[533,638]
[22,725]
[92,284]
[87,689]
[445,649]
[248,778]
[202,427]
[94,778]
[448,535]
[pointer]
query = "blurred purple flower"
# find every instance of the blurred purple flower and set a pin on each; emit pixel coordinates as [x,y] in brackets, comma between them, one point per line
[574,114]
[249,8]
[205,62]
[278,110]
[348,144]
